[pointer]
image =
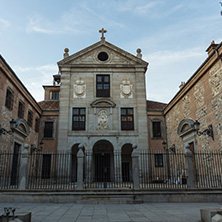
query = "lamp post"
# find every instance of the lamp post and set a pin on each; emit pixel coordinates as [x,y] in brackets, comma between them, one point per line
[209,131]
[164,144]
[13,125]
[36,151]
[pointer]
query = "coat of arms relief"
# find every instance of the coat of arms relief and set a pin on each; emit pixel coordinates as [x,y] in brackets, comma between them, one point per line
[79,89]
[126,89]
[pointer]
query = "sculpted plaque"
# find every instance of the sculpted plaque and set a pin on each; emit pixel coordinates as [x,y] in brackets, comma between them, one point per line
[103,119]
[79,89]
[126,89]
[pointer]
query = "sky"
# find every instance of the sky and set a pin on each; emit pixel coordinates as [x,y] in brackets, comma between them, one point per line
[172,34]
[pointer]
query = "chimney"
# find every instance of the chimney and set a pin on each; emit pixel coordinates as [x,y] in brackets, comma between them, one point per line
[211,48]
[182,85]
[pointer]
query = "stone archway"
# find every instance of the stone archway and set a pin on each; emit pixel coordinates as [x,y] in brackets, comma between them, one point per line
[187,132]
[126,162]
[103,161]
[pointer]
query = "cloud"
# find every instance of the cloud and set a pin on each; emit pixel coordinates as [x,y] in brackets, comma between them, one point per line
[168,68]
[4,23]
[34,77]
[74,21]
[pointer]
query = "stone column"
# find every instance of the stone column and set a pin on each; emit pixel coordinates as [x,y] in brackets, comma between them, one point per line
[189,167]
[117,166]
[135,165]
[89,167]
[80,162]
[23,170]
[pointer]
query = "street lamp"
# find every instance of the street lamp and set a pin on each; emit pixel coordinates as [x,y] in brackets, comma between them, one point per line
[164,144]
[13,125]
[208,131]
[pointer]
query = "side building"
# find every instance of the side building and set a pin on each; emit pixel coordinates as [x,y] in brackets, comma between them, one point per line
[194,115]
[17,103]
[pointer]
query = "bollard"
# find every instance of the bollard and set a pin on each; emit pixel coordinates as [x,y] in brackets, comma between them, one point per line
[135,165]
[23,170]
[80,162]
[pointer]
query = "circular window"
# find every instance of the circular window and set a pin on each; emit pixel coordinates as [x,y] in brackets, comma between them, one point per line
[103,56]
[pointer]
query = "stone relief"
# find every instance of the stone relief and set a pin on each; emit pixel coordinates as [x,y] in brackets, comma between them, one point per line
[103,119]
[79,89]
[126,89]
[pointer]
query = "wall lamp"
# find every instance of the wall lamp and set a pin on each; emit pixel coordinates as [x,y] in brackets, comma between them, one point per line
[208,131]
[13,125]
[172,148]
[35,149]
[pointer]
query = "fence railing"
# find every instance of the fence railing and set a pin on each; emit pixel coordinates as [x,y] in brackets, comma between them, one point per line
[107,171]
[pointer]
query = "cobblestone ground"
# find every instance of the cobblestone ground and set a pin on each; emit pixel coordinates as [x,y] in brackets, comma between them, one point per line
[155,212]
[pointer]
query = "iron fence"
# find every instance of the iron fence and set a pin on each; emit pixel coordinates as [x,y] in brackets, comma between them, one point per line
[9,170]
[157,170]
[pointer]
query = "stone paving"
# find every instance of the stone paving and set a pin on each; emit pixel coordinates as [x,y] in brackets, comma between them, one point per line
[154,212]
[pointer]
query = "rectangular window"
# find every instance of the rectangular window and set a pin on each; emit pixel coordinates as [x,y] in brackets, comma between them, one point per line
[127,120]
[30,118]
[48,129]
[156,129]
[79,119]
[102,86]
[9,99]
[37,122]
[21,109]
[158,160]
[55,95]
[46,166]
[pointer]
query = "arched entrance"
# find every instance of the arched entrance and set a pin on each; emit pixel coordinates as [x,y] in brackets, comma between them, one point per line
[126,162]
[103,161]
[187,132]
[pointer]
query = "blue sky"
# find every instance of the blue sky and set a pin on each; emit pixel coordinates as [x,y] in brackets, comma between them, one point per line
[172,34]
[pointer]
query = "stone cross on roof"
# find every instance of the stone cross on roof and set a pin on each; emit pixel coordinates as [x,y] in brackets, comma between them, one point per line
[102,31]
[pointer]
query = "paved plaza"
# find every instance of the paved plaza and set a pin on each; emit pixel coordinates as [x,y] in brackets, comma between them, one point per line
[155,212]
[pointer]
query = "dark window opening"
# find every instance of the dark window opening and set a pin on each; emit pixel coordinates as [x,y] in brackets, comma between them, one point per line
[9,99]
[55,95]
[127,120]
[21,109]
[157,129]
[158,160]
[30,118]
[37,123]
[79,119]
[103,56]
[102,86]
[46,166]
[48,129]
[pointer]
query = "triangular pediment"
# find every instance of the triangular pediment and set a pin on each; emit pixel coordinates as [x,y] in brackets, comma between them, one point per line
[89,56]
[22,127]
[185,127]
[103,103]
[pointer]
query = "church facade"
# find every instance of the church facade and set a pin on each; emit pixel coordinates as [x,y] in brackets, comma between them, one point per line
[98,103]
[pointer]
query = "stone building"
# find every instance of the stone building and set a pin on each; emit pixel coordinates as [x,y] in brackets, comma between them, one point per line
[102,104]
[98,100]
[199,99]
[18,104]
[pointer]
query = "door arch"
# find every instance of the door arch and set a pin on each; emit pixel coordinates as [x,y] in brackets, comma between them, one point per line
[103,163]
[74,152]
[126,162]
